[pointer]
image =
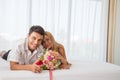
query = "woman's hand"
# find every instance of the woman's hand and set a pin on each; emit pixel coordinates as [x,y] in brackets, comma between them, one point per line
[65,66]
[61,58]
[57,55]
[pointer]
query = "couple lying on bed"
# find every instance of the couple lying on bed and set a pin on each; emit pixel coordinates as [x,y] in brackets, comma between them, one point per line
[25,55]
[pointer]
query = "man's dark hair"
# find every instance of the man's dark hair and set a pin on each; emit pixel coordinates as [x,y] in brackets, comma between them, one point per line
[38,29]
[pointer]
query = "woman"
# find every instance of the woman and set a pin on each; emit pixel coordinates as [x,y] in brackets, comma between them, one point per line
[50,44]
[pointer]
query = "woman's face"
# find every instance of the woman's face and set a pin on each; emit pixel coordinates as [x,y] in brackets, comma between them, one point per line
[47,43]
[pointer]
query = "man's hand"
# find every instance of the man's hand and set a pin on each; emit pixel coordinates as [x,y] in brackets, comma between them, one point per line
[36,68]
[32,67]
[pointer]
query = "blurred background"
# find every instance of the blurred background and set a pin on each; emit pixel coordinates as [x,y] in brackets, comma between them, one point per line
[82,26]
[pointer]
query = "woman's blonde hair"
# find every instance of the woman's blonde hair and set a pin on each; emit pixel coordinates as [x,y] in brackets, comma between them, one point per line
[54,43]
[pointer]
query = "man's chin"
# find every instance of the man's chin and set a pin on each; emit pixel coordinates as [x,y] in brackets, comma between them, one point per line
[34,48]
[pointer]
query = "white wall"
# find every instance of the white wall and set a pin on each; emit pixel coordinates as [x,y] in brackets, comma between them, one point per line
[117,34]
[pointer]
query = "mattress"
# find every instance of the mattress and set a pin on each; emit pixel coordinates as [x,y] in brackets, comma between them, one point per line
[80,70]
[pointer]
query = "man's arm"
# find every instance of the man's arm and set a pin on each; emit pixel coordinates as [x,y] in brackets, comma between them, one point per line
[32,67]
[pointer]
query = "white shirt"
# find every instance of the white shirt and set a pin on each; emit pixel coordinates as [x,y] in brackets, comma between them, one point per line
[23,55]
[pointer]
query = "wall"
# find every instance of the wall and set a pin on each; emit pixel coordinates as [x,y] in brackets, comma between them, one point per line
[117,34]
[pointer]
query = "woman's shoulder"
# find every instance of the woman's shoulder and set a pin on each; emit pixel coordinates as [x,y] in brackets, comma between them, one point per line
[60,45]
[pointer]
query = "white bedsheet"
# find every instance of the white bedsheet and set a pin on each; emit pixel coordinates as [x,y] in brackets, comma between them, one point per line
[80,70]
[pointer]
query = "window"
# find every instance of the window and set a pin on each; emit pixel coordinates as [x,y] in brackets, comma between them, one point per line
[80,25]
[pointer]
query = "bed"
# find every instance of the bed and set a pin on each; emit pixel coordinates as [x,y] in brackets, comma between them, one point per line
[80,70]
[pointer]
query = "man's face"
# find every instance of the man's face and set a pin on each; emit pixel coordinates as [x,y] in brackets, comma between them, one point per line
[34,40]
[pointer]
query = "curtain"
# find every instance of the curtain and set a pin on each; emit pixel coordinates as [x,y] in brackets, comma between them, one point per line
[13,22]
[80,25]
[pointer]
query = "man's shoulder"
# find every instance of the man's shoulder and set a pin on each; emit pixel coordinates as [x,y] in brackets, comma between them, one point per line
[40,49]
[20,43]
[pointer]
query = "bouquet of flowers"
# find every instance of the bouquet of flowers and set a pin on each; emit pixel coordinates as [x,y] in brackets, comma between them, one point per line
[47,61]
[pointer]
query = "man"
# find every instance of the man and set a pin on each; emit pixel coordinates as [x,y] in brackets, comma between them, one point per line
[24,56]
